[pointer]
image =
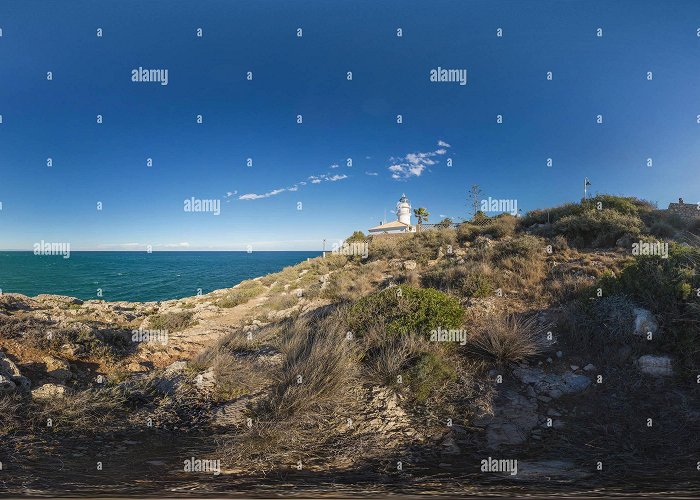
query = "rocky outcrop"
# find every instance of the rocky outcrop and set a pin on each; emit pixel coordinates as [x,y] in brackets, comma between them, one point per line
[50,391]
[514,416]
[550,384]
[11,379]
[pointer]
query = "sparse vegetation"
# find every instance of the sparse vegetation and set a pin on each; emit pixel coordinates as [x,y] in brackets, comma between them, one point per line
[172,322]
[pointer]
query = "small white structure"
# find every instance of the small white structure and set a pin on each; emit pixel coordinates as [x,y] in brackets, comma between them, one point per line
[402,225]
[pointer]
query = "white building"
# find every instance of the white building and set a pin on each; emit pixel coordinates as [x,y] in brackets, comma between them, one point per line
[402,225]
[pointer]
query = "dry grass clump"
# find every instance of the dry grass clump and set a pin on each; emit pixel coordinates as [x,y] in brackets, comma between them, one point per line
[10,419]
[386,357]
[318,366]
[87,411]
[282,301]
[241,294]
[353,282]
[472,279]
[171,322]
[237,370]
[506,338]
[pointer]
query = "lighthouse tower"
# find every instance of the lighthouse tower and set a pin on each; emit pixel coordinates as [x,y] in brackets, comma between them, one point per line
[403,210]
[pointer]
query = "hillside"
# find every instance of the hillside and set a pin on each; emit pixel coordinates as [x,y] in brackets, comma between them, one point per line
[555,339]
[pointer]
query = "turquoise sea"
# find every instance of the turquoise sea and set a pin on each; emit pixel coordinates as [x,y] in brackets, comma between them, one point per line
[137,276]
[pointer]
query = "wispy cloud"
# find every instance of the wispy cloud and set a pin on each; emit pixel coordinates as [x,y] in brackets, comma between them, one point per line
[371,173]
[314,179]
[253,196]
[414,164]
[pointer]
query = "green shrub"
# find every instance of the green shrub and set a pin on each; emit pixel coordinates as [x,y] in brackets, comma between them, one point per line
[405,310]
[496,228]
[429,373]
[598,228]
[667,287]
[469,280]
[356,237]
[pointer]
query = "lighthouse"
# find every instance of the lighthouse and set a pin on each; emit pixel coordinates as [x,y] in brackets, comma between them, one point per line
[403,210]
[403,222]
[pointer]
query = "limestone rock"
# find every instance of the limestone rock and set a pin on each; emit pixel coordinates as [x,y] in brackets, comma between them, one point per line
[551,384]
[514,416]
[8,367]
[49,391]
[206,381]
[57,368]
[644,322]
[409,265]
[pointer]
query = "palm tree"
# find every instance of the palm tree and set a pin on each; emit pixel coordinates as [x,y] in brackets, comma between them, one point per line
[422,215]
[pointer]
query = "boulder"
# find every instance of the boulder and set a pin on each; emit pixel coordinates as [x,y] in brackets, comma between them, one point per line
[57,368]
[23,383]
[171,379]
[410,265]
[8,367]
[206,381]
[657,366]
[644,322]
[551,384]
[7,386]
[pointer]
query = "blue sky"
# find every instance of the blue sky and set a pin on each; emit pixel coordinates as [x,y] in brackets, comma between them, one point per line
[341,119]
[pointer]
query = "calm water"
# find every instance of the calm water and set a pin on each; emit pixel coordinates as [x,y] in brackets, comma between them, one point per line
[137,276]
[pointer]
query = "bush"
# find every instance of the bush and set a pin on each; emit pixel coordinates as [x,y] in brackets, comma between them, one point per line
[472,280]
[356,237]
[430,372]
[506,339]
[497,228]
[405,310]
[598,228]
[353,282]
[666,287]
[662,229]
